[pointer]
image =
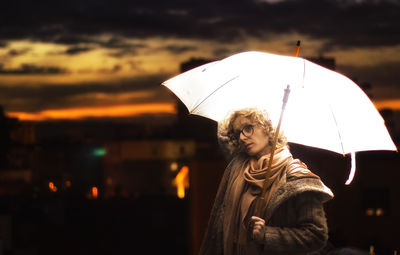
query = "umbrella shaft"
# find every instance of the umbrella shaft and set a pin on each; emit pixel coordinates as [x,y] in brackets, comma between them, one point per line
[273,147]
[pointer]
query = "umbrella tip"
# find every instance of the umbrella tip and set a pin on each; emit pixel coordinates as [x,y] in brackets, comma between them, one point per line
[297,49]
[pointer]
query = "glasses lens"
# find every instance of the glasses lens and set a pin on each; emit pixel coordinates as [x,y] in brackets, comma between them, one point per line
[247,130]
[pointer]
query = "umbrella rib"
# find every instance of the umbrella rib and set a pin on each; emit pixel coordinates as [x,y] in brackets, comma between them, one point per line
[333,115]
[337,128]
[213,93]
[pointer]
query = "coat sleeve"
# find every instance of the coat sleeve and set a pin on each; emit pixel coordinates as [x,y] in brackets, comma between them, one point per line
[212,240]
[309,232]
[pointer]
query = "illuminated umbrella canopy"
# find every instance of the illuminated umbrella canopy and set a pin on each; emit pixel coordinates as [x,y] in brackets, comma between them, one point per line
[325,109]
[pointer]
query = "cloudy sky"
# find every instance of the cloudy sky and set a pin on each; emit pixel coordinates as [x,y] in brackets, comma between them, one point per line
[80,58]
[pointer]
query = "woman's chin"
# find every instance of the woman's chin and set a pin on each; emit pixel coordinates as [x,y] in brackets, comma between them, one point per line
[251,153]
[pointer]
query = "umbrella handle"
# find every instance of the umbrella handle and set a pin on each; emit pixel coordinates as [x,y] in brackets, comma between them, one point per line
[273,147]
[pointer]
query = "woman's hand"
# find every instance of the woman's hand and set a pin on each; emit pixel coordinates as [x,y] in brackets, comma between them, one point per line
[258,228]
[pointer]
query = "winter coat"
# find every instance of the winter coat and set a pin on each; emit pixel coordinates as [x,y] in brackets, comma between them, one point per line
[295,217]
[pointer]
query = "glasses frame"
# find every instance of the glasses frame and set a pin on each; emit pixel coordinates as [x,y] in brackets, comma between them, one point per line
[248,133]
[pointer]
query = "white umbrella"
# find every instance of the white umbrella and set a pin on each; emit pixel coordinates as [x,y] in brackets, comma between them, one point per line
[325,109]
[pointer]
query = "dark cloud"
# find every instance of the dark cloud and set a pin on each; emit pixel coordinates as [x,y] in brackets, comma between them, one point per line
[84,43]
[114,69]
[120,43]
[121,53]
[341,23]
[135,66]
[121,46]
[14,52]
[77,50]
[32,69]
[178,49]
[37,98]
[71,39]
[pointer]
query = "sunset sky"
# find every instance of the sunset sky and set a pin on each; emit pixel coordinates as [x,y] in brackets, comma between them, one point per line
[86,58]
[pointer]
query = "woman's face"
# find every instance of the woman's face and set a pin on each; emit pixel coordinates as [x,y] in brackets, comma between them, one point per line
[255,143]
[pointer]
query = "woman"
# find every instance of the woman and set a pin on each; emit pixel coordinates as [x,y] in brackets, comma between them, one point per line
[292,218]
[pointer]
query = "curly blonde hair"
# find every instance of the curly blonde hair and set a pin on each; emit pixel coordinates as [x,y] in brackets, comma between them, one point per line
[226,131]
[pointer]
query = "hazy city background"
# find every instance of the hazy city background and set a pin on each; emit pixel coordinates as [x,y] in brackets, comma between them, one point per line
[96,157]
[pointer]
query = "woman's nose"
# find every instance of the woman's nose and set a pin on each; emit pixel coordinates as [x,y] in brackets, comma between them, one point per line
[242,137]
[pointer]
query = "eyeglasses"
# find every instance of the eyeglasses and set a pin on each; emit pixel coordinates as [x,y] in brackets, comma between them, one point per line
[247,131]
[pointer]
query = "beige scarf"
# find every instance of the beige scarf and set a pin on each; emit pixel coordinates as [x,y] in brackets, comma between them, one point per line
[244,188]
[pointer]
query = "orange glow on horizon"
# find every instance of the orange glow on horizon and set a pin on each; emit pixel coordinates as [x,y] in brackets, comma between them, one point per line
[97,112]
[393,104]
[133,110]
